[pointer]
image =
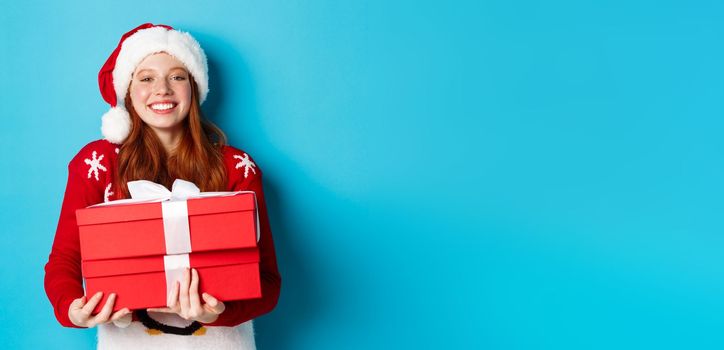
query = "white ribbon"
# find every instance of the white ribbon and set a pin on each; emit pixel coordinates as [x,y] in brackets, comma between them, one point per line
[175,219]
[176,227]
[174,266]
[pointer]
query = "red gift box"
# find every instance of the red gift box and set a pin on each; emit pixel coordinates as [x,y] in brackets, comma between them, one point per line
[124,250]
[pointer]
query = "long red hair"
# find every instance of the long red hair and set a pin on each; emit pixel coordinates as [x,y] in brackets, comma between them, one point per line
[197,158]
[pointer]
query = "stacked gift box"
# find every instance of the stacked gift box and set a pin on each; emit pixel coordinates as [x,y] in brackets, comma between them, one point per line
[139,250]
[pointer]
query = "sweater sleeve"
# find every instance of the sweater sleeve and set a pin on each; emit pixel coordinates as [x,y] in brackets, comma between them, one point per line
[63,279]
[240,311]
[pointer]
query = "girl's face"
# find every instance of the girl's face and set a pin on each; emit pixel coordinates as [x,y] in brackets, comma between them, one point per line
[161,92]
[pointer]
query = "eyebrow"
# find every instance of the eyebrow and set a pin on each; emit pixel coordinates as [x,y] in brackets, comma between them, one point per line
[148,69]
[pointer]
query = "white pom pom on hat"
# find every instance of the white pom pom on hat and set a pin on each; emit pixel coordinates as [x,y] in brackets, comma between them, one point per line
[115,75]
[116,124]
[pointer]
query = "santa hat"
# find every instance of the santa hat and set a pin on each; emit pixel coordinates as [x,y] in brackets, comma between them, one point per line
[115,75]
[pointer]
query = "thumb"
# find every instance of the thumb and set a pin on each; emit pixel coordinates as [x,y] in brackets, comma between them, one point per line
[124,321]
[213,304]
[78,303]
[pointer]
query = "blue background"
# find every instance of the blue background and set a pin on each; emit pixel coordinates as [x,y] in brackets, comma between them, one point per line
[487,174]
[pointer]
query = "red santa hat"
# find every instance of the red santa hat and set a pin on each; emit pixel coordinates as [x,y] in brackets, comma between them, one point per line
[115,75]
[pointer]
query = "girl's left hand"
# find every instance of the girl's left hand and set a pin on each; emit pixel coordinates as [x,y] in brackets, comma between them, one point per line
[184,301]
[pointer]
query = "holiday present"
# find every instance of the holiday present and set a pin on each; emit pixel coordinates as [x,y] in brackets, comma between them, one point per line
[138,248]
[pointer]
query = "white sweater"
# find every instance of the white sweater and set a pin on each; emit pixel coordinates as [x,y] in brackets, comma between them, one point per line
[137,337]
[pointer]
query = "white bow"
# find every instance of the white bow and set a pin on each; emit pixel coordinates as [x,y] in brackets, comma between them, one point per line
[144,191]
[147,190]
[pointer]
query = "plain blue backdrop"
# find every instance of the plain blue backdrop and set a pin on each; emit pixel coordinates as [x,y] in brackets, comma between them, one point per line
[465,175]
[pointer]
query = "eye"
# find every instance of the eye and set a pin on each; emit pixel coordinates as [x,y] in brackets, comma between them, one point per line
[144,79]
[179,78]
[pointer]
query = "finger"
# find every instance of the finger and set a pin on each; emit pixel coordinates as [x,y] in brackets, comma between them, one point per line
[91,305]
[184,293]
[173,297]
[194,300]
[105,313]
[213,304]
[120,313]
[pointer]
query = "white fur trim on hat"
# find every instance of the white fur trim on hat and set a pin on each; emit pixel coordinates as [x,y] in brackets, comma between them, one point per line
[116,124]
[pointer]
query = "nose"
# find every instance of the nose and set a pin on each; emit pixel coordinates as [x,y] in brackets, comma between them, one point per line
[163,87]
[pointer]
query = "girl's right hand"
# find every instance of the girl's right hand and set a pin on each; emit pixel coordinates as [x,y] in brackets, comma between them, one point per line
[80,311]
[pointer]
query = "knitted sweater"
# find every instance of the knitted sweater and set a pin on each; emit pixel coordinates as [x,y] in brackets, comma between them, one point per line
[90,176]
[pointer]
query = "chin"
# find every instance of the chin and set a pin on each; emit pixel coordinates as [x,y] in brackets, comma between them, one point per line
[162,122]
[165,127]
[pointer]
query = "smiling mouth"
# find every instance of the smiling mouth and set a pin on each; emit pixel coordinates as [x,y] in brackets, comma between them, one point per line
[163,108]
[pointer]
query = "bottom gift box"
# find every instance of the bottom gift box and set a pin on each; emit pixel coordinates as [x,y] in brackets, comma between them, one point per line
[140,282]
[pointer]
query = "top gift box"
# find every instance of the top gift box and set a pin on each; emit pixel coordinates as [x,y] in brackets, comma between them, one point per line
[122,231]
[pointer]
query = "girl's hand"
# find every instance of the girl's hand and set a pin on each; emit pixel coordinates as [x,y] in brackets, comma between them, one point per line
[80,311]
[184,301]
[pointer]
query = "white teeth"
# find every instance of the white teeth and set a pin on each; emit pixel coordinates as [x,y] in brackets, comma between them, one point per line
[162,106]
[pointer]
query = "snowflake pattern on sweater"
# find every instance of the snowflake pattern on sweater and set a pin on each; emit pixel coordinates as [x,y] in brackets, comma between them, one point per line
[107,193]
[90,176]
[245,163]
[94,165]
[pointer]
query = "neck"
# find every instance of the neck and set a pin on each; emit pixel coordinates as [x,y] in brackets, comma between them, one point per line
[169,139]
